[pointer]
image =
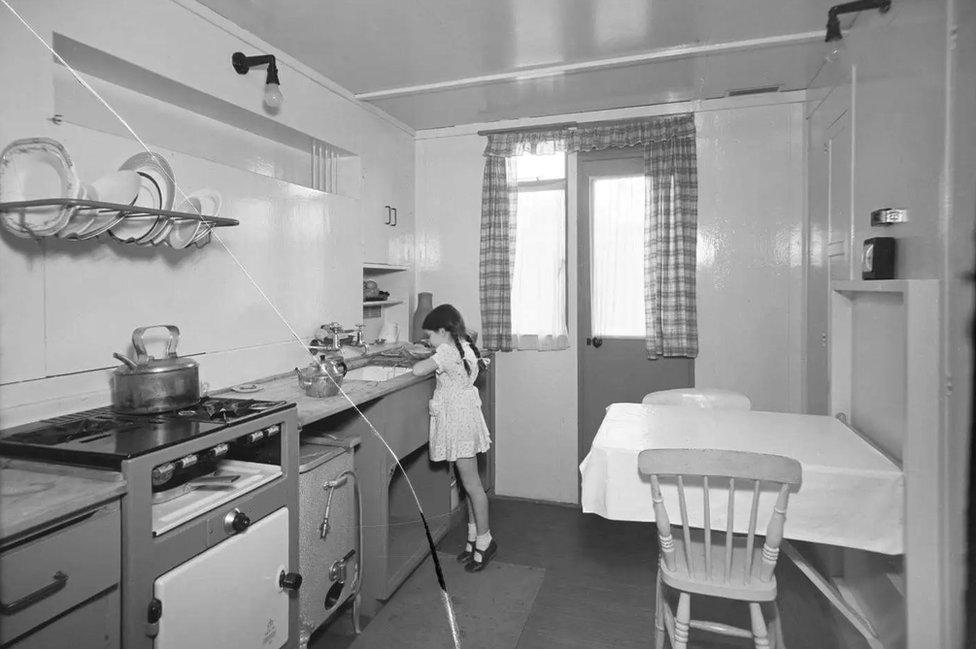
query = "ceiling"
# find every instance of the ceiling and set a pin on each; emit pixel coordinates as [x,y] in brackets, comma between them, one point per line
[434,63]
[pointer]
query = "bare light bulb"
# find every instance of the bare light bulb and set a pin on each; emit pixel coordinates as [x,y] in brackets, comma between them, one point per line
[272,95]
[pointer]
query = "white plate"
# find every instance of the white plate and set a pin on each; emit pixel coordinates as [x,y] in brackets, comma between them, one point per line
[205,202]
[158,185]
[185,230]
[33,169]
[116,187]
[247,387]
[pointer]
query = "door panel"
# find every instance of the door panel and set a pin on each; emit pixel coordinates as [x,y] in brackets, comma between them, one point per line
[229,596]
[614,369]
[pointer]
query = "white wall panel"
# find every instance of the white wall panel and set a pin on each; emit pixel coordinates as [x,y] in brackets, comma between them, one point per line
[750,263]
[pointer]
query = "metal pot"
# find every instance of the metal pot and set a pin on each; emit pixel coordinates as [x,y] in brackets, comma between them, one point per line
[322,379]
[148,385]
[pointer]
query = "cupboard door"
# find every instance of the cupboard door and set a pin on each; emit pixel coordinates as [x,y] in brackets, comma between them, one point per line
[377,195]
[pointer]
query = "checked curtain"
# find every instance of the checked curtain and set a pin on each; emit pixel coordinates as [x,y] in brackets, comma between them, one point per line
[670,223]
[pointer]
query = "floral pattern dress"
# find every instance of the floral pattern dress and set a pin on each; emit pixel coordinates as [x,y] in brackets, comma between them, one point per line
[457,425]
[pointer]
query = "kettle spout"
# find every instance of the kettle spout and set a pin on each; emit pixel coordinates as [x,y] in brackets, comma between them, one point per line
[132,364]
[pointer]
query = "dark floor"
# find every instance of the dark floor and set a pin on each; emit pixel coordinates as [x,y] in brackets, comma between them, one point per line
[598,591]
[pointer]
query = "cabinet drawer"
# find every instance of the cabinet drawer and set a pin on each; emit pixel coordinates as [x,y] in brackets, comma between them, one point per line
[94,625]
[44,577]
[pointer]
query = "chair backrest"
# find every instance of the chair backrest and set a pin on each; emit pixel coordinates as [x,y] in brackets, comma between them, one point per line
[710,398]
[728,465]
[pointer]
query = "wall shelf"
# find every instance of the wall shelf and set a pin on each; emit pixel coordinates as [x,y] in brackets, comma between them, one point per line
[383,303]
[383,268]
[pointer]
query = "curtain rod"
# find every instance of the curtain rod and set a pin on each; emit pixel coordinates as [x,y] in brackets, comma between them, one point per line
[521,129]
[572,125]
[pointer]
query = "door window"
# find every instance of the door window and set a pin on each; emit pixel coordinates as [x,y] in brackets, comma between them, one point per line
[617,256]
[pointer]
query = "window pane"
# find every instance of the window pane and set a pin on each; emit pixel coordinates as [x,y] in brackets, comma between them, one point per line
[539,282]
[617,282]
[530,167]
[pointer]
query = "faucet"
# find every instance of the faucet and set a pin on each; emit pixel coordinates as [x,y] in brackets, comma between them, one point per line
[332,337]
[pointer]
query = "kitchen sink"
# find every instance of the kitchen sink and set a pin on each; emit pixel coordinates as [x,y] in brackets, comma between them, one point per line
[376,373]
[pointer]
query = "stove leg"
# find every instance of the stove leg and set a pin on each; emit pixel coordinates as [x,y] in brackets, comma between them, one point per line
[356,602]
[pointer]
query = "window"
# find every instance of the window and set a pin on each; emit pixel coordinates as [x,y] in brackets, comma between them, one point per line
[539,280]
[617,256]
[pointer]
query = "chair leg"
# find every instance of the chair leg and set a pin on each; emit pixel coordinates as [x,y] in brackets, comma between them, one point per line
[778,627]
[681,621]
[659,613]
[759,636]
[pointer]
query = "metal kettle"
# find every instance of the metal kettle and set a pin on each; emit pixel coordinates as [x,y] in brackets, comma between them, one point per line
[149,385]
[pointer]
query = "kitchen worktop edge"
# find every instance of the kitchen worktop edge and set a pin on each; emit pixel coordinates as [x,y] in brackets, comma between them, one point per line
[77,489]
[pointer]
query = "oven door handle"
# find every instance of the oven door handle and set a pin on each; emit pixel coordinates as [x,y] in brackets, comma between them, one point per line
[60,580]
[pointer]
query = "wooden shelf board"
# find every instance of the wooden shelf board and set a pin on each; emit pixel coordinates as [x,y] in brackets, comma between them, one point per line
[384,268]
[386,303]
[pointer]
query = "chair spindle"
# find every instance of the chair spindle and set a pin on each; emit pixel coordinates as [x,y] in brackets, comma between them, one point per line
[730,518]
[686,529]
[751,538]
[663,524]
[708,528]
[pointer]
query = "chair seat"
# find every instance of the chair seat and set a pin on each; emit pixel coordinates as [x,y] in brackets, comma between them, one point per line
[714,585]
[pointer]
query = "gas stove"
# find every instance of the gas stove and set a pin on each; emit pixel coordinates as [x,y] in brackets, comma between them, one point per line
[104,438]
[210,511]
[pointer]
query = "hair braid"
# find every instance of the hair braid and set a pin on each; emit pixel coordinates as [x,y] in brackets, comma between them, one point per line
[457,343]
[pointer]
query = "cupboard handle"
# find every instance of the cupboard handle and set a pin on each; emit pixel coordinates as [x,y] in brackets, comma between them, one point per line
[389,213]
[60,580]
[394,217]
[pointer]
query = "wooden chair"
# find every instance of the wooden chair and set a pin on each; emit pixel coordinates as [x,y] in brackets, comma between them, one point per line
[741,571]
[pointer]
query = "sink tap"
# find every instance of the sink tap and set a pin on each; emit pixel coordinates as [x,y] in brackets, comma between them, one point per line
[358,339]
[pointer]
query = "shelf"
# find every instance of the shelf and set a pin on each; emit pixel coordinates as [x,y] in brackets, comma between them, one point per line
[384,268]
[383,303]
[126,211]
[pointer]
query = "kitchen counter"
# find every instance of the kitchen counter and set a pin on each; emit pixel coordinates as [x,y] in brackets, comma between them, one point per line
[35,495]
[284,387]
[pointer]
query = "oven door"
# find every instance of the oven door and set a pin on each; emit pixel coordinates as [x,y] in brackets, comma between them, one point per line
[229,596]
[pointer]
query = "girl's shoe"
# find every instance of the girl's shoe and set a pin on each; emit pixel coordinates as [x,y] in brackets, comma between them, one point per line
[480,558]
[465,556]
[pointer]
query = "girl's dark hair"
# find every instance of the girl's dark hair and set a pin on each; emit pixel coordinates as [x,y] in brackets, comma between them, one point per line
[449,319]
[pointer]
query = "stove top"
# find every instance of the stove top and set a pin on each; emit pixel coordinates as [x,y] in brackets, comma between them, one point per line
[102,437]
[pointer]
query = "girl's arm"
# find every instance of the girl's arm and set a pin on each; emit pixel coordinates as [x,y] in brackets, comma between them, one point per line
[424,367]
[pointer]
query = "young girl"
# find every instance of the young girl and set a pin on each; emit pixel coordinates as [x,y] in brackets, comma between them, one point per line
[457,426]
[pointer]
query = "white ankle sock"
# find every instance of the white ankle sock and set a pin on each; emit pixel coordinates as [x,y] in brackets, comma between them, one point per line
[483,541]
[472,532]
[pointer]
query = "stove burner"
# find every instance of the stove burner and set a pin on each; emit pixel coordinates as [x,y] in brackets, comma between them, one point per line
[225,410]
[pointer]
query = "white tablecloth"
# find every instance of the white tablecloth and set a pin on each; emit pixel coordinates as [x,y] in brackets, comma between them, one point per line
[852,495]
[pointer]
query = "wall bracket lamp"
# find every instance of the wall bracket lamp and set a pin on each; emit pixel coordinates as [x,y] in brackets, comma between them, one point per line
[833,24]
[272,92]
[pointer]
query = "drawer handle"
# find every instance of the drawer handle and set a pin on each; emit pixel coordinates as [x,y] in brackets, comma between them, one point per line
[60,580]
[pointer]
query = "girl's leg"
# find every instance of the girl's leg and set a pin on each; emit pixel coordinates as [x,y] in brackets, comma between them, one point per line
[467,468]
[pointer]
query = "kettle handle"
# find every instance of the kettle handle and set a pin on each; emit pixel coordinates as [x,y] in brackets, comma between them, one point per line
[140,345]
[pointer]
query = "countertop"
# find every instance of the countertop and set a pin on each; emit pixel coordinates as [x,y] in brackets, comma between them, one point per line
[284,387]
[34,495]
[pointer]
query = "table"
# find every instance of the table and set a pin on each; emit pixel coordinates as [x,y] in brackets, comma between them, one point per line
[852,494]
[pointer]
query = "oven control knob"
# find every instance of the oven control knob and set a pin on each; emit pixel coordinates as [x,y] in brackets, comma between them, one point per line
[236,521]
[290,580]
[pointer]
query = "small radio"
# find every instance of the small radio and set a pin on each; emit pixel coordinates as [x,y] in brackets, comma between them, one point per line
[878,258]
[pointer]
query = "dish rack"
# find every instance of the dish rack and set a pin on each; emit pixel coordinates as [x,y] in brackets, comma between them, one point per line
[124,211]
